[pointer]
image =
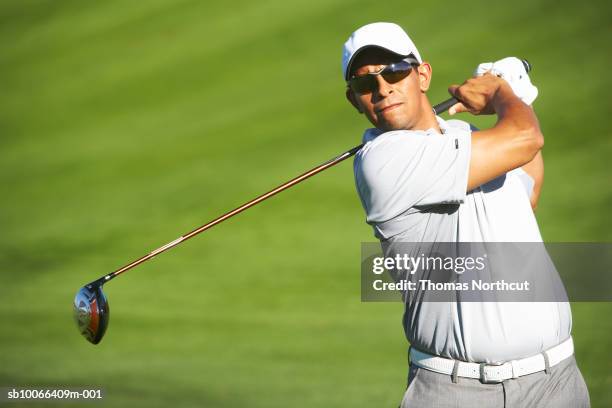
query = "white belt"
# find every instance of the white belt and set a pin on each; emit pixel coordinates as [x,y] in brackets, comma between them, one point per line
[494,372]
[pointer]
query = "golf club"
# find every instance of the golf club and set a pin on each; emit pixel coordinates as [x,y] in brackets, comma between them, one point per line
[91,310]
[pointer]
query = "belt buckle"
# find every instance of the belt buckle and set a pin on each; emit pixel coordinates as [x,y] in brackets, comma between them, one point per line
[483,375]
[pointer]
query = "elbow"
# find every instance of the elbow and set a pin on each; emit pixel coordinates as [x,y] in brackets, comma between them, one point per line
[538,140]
[533,141]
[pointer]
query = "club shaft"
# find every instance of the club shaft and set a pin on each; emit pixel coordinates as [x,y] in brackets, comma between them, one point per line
[444,106]
[237,210]
[332,162]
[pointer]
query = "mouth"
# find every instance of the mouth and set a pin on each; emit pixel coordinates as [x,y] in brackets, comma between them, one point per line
[388,108]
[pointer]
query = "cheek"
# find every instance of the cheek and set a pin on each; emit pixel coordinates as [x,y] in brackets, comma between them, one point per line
[365,105]
[372,115]
[364,102]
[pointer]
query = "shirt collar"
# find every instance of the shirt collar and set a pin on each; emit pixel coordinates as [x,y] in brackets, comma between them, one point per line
[372,133]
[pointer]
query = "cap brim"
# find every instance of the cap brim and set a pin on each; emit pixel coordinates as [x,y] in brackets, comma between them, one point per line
[360,50]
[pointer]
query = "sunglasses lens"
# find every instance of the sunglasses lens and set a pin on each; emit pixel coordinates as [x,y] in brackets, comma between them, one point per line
[363,84]
[391,74]
[395,76]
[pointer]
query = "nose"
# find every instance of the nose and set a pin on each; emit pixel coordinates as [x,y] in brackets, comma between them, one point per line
[384,88]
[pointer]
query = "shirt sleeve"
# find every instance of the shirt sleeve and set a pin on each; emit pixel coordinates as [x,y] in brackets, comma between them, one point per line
[403,169]
[526,180]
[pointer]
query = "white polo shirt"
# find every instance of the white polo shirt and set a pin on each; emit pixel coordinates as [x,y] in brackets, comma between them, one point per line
[412,185]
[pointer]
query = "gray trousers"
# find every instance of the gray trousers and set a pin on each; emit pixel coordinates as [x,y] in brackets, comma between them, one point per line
[563,387]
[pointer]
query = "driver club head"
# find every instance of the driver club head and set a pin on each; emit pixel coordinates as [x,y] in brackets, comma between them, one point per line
[91,312]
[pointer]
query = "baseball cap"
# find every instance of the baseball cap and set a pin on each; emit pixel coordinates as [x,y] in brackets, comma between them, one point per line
[388,36]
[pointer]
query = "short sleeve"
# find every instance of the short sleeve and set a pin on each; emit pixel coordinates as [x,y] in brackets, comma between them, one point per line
[526,180]
[399,170]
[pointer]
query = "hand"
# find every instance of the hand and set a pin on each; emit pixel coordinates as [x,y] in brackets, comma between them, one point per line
[477,94]
[513,71]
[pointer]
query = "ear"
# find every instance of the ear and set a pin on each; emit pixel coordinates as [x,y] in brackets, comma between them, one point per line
[351,98]
[424,71]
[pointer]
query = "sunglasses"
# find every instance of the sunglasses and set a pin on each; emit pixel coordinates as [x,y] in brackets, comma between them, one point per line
[364,84]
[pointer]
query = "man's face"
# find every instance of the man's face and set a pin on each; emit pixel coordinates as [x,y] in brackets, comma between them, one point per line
[391,106]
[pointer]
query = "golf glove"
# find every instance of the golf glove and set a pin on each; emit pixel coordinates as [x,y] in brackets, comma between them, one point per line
[512,70]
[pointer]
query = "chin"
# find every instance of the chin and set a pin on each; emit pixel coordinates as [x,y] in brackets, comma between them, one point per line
[395,122]
[389,126]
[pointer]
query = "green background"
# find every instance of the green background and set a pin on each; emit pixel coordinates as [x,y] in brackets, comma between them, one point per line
[125,124]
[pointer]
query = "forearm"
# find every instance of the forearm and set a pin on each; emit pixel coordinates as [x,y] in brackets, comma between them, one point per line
[514,115]
[515,139]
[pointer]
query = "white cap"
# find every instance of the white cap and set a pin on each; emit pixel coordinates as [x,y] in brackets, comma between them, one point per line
[388,36]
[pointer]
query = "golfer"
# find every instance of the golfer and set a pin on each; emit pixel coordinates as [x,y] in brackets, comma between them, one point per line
[423,179]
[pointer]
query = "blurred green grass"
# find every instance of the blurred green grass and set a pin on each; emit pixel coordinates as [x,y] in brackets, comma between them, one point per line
[125,124]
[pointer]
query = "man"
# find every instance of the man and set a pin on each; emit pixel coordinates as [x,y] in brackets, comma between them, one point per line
[423,179]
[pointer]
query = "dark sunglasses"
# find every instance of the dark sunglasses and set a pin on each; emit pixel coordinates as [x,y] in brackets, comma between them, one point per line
[364,84]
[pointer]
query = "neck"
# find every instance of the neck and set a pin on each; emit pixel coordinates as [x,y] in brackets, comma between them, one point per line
[427,118]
